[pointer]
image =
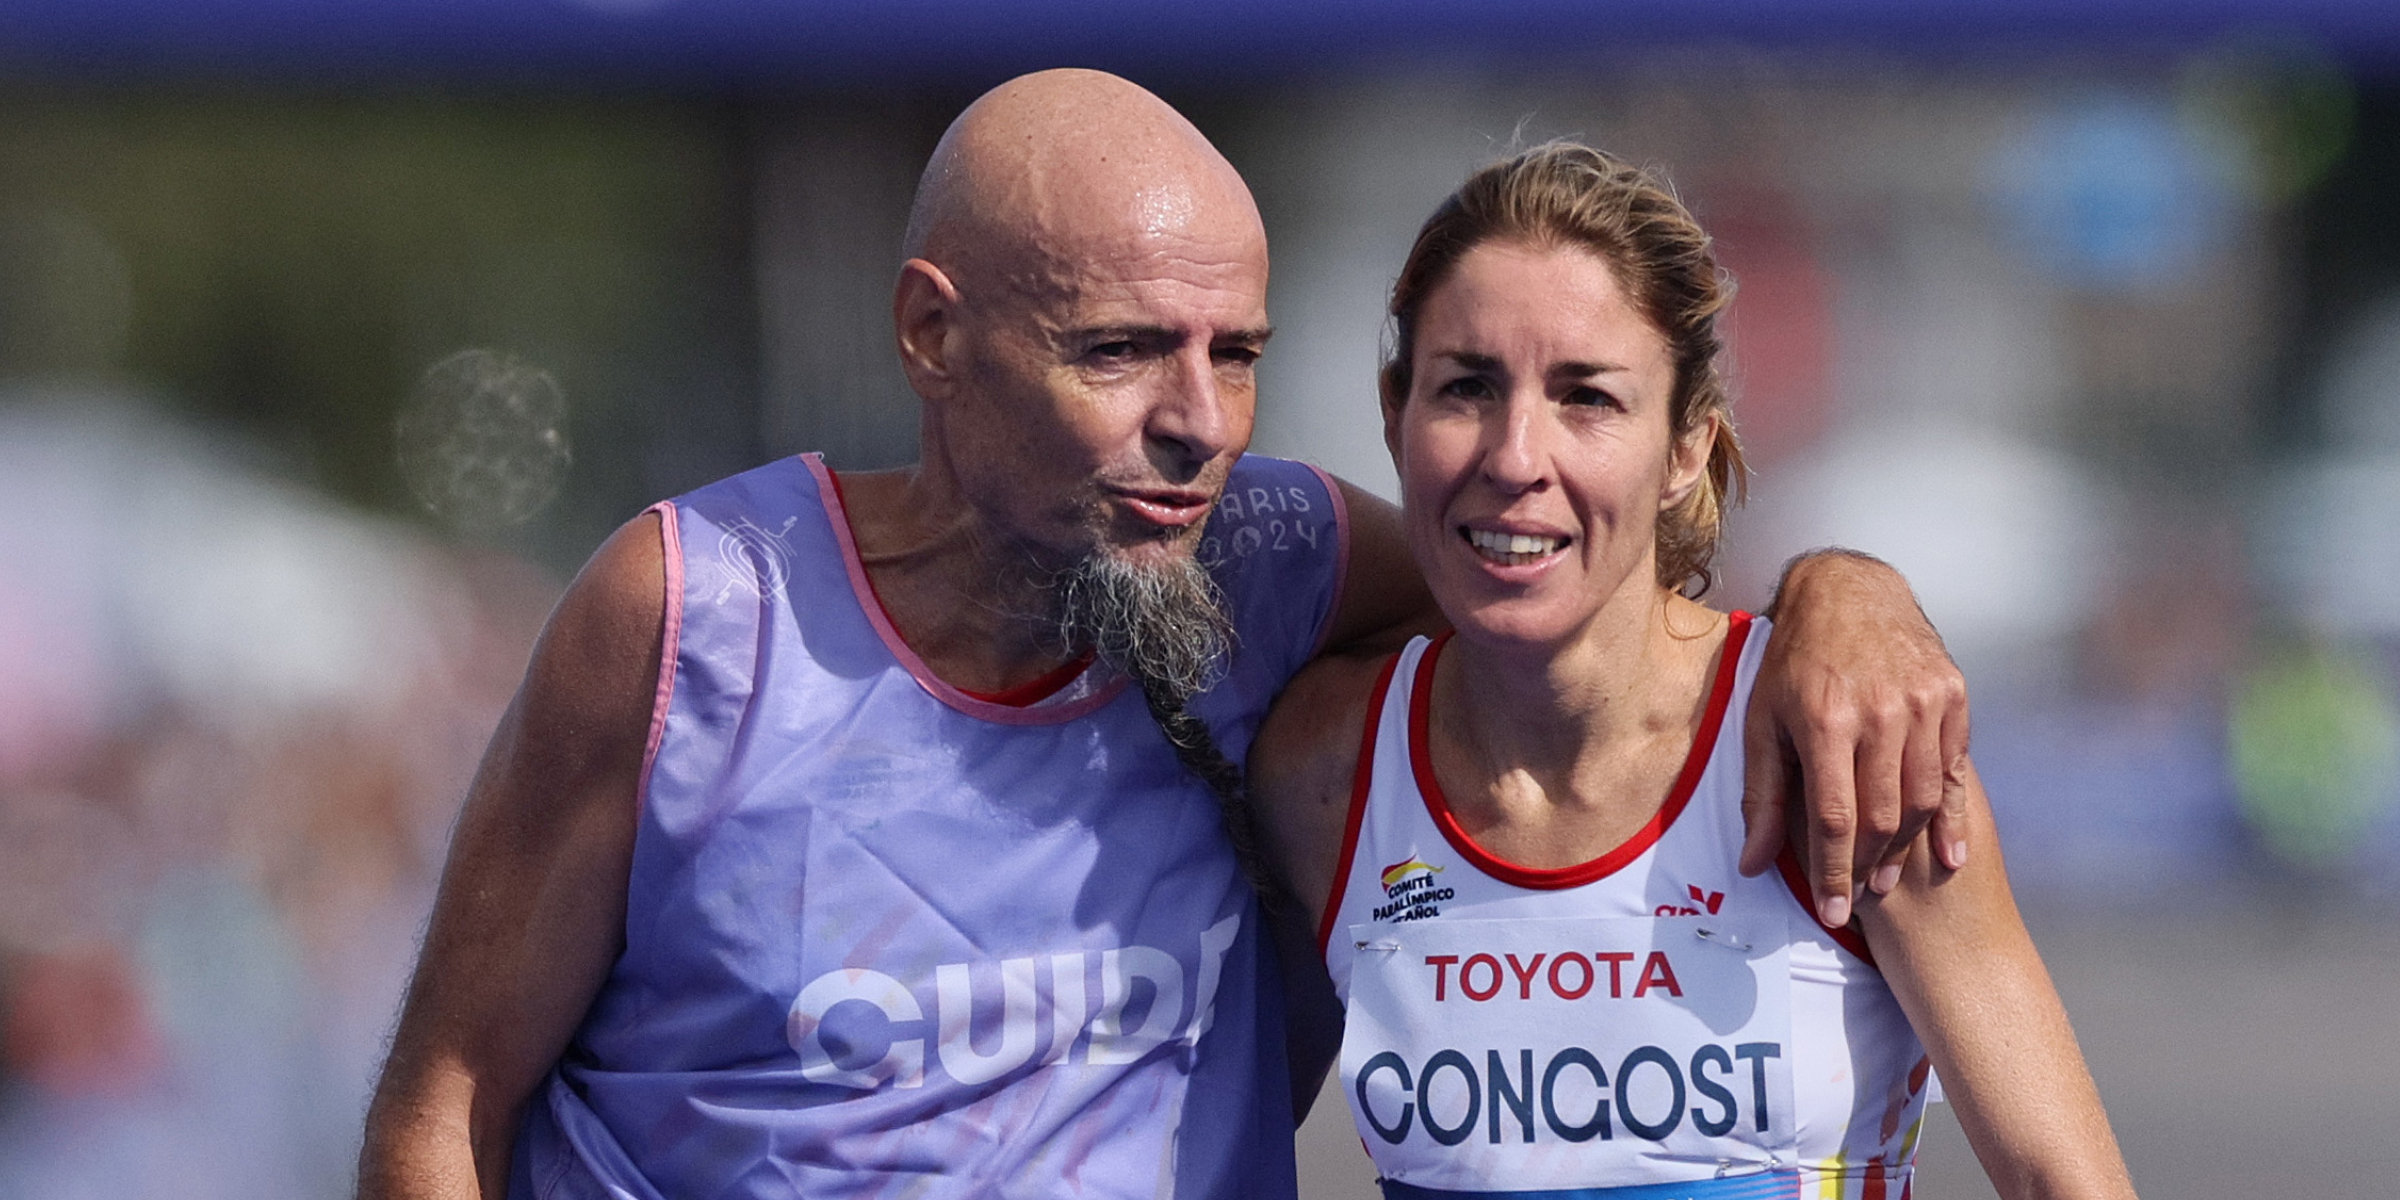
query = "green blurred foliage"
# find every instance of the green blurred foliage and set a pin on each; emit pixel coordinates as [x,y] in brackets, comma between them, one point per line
[2316,739]
[292,263]
[2291,104]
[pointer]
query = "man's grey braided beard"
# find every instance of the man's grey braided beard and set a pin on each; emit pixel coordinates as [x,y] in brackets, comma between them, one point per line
[1163,624]
[1165,627]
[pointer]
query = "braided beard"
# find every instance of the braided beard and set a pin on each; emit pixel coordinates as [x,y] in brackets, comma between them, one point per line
[1164,625]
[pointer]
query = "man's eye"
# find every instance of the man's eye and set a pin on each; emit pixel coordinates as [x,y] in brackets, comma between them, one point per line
[1237,356]
[1113,351]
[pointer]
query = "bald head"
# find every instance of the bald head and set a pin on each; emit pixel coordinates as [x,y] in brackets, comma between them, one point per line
[1051,169]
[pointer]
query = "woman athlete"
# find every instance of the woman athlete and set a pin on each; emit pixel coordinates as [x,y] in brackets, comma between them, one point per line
[1518,842]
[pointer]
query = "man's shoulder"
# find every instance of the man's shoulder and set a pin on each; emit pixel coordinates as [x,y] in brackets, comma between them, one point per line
[793,473]
[1278,544]
[1272,509]
[1263,470]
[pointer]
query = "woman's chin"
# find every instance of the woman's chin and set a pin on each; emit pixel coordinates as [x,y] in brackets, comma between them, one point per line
[1515,627]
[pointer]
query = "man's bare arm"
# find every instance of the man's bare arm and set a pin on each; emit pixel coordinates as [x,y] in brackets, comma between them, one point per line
[531,911]
[1860,708]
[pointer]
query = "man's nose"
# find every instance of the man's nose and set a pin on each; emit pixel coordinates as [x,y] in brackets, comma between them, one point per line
[1193,413]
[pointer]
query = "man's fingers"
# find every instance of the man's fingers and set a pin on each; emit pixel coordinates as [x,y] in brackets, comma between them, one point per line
[1832,825]
[1922,793]
[1764,785]
[1950,826]
[1882,799]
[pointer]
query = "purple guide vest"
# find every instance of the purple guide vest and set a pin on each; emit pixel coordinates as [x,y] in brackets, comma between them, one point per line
[885,939]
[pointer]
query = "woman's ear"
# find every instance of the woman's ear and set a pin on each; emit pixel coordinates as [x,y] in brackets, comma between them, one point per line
[1687,461]
[1391,415]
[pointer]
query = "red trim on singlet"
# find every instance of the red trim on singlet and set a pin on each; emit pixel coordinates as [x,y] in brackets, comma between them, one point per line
[1847,937]
[1359,779]
[1695,764]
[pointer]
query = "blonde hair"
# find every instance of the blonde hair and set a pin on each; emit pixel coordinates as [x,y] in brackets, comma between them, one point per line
[1564,193]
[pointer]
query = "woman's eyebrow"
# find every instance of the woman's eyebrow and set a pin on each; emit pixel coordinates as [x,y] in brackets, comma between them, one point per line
[1584,370]
[1486,363]
[1471,361]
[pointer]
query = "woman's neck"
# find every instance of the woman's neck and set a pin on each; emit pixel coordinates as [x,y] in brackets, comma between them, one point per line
[1551,755]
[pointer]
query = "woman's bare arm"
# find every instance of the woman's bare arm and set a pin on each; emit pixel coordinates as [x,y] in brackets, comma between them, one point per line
[1957,956]
[1300,780]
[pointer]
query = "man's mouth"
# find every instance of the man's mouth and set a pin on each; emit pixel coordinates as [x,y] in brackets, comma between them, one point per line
[1513,549]
[1168,508]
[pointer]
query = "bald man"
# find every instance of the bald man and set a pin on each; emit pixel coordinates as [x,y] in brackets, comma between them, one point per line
[852,835]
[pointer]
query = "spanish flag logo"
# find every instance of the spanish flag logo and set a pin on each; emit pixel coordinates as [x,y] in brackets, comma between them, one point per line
[1405,868]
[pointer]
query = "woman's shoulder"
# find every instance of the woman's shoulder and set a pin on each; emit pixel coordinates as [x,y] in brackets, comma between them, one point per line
[1302,763]
[1318,719]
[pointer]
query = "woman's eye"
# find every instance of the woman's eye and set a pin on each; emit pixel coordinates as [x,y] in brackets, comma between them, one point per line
[1467,387]
[1587,397]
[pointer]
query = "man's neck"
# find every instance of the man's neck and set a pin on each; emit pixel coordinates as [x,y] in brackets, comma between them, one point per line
[967,603]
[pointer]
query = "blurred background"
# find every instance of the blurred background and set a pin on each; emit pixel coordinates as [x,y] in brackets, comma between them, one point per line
[334,336]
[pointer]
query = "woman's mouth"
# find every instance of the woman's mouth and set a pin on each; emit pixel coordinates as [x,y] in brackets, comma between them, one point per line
[1513,549]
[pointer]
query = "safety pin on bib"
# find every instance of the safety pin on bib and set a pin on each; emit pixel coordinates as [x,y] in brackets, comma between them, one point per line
[1384,946]
[1728,1168]
[1720,937]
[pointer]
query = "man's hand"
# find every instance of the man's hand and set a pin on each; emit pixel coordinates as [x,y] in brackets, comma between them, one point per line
[1857,704]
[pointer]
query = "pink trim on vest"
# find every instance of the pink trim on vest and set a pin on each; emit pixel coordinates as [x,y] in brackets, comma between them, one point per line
[830,494]
[669,640]
[1341,557]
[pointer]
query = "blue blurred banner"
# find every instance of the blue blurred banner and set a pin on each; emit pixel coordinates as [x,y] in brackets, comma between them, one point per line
[799,42]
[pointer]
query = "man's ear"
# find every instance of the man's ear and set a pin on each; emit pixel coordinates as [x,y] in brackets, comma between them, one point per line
[1687,462]
[924,321]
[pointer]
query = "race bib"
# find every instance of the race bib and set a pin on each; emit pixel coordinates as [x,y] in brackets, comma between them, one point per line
[1532,1055]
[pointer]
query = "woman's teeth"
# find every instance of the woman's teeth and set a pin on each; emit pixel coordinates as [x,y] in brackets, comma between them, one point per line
[1513,549]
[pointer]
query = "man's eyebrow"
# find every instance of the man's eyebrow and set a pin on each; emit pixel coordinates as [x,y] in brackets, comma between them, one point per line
[1103,334]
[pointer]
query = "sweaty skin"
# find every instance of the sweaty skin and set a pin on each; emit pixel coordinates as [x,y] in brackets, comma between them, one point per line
[1081,309]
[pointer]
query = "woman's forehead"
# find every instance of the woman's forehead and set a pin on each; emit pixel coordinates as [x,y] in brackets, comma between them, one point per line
[1509,298]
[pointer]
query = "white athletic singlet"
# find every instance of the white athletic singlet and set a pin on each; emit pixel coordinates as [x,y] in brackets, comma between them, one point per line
[1648,1025]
